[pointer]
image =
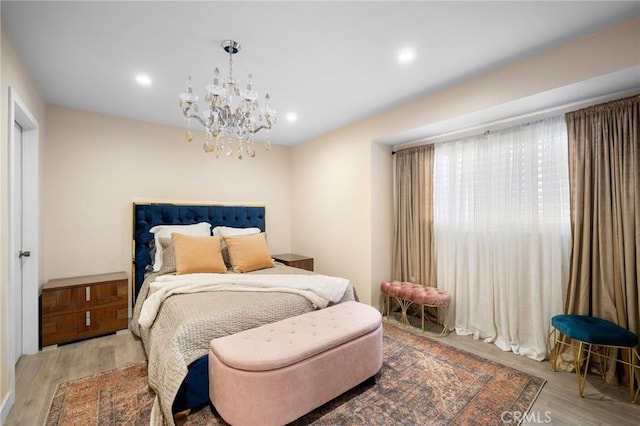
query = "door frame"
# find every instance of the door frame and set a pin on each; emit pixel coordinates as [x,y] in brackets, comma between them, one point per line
[19,113]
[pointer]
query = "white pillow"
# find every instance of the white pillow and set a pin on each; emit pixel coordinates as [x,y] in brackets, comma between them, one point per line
[164,231]
[227,231]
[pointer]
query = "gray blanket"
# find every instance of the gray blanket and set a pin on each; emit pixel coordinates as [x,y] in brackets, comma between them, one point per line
[186,324]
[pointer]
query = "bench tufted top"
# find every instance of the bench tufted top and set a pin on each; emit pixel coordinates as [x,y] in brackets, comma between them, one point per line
[295,339]
[594,330]
[416,293]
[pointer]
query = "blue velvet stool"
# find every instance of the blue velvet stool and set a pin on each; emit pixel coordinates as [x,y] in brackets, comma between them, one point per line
[591,335]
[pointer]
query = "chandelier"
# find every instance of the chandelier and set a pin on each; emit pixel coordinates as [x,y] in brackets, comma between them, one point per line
[233,115]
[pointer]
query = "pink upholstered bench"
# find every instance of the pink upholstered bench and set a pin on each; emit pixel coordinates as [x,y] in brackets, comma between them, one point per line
[273,374]
[406,293]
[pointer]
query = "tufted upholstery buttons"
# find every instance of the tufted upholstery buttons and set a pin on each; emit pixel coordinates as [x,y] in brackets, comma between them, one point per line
[147,216]
[310,334]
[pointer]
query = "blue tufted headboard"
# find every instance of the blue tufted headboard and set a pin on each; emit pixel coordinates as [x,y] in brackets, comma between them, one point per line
[146,216]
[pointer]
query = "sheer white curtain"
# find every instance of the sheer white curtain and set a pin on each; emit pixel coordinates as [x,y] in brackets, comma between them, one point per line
[502,231]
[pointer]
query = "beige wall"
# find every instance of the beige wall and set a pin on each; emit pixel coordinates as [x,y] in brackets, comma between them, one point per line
[340,180]
[381,217]
[96,165]
[15,75]
[342,210]
[330,210]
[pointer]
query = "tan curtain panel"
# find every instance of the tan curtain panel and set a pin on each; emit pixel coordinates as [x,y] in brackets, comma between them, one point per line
[604,169]
[413,257]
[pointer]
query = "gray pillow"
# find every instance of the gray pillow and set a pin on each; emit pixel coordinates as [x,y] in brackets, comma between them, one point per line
[168,256]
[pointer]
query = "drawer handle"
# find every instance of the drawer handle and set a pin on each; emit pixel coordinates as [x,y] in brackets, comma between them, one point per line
[87,318]
[87,294]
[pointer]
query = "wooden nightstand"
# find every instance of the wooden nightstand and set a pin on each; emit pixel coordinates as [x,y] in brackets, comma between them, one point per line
[297,261]
[81,307]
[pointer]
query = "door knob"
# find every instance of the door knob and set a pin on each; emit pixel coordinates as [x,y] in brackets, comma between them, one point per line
[24,254]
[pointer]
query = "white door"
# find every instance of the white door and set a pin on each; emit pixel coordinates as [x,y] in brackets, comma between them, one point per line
[24,230]
[16,258]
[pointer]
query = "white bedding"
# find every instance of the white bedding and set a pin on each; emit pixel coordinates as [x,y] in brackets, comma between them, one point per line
[320,290]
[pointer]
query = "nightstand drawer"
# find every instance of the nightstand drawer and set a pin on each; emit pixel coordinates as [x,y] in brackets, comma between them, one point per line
[59,329]
[59,301]
[107,293]
[94,322]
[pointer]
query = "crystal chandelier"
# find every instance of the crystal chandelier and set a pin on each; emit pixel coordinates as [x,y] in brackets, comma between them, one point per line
[233,115]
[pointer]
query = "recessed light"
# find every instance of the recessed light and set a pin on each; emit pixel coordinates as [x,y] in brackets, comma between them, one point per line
[406,55]
[291,117]
[143,79]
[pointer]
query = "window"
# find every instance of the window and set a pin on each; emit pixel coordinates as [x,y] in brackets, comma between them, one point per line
[502,231]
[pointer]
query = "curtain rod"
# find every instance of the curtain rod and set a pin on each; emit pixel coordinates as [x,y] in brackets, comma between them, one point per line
[515,120]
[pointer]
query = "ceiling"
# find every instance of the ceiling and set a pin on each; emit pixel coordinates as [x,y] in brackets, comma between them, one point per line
[331,63]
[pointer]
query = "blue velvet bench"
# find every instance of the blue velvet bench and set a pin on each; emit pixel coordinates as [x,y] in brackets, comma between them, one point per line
[596,336]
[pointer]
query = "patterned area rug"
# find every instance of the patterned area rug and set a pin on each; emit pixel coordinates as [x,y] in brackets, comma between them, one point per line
[423,382]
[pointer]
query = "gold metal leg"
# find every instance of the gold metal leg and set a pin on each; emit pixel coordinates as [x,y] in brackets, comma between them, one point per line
[586,369]
[556,339]
[553,348]
[601,364]
[582,378]
[388,306]
[577,355]
[632,373]
[404,305]
[445,326]
[633,367]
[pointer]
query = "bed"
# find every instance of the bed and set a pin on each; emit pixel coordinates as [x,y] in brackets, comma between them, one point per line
[177,339]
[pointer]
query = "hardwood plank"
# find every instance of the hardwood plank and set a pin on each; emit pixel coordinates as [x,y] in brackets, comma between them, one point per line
[37,376]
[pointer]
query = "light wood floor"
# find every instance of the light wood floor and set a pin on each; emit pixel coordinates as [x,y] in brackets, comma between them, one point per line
[558,403]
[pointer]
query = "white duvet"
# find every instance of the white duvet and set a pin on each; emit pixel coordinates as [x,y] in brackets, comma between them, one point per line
[320,290]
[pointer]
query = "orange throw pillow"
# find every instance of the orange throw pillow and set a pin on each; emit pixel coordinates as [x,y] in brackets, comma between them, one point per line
[248,252]
[195,254]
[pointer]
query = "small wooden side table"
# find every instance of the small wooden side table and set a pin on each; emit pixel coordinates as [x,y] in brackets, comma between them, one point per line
[295,260]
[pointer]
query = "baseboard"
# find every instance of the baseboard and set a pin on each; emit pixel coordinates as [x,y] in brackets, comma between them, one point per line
[7,403]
